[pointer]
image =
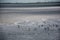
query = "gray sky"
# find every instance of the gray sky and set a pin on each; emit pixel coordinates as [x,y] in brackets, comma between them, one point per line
[25,1]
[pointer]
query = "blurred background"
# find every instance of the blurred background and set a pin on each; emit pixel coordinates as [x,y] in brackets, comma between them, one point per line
[29,3]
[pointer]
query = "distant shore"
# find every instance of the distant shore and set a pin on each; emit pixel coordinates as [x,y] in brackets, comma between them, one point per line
[38,4]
